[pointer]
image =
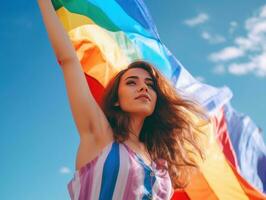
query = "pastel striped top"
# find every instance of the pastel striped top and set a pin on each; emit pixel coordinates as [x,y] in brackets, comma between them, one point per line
[118,173]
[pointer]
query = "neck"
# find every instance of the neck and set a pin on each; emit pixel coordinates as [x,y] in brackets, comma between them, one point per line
[135,127]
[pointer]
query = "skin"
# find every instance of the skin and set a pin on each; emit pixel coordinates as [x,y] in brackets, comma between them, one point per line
[92,125]
[133,83]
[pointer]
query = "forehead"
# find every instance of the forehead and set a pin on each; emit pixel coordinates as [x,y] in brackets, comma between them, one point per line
[139,72]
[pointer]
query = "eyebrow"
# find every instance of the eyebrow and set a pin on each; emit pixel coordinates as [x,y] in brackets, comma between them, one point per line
[136,77]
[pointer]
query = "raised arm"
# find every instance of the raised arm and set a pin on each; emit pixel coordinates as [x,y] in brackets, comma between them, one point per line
[88,116]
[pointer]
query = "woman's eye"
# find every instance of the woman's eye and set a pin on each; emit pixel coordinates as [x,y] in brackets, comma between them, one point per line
[131,83]
[150,85]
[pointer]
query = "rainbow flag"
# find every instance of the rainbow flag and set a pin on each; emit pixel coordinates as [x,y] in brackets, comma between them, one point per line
[108,35]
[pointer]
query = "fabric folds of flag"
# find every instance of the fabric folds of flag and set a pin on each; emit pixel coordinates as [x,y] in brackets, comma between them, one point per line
[108,35]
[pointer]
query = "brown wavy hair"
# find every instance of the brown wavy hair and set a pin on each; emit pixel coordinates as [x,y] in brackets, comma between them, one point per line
[167,131]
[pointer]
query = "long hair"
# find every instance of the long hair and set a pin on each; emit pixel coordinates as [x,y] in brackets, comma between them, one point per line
[167,131]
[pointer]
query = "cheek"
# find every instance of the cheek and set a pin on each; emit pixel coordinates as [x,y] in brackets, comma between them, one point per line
[155,100]
[124,95]
[154,96]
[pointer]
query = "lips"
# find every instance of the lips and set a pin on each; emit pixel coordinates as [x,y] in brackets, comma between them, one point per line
[144,96]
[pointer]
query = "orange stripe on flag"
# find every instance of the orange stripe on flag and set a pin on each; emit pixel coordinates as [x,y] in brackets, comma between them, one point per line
[98,52]
[251,192]
[199,188]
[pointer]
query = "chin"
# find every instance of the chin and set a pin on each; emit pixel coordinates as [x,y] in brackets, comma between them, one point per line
[145,112]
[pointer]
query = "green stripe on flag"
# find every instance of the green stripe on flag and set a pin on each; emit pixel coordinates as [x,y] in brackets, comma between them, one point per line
[85,8]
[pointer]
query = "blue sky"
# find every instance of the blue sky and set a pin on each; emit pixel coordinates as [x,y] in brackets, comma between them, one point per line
[220,43]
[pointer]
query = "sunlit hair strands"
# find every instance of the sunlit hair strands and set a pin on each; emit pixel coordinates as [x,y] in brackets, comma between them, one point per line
[167,131]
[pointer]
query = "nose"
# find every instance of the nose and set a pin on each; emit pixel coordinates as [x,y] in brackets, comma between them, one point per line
[143,87]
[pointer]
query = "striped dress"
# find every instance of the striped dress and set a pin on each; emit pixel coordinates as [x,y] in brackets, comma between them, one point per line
[118,173]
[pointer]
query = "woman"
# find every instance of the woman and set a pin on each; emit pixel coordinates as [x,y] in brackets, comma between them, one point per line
[138,144]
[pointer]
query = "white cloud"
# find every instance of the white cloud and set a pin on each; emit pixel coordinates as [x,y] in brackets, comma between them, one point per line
[212,39]
[64,170]
[256,64]
[233,23]
[219,69]
[263,11]
[233,26]
[200,19]
[253,45]
[205,35]
[240,68]
[256,27]
[260,62]
[244,43]
[226,54]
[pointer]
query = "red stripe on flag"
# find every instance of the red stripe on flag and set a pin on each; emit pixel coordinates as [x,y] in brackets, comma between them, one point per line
[180,195]
[224,140]
[96,88]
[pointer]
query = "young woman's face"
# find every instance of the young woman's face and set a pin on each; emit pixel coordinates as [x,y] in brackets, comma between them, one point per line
[135,92]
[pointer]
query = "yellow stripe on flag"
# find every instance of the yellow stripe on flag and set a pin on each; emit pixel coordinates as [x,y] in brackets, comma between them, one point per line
[215,167]
[70,20]
[98,50]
